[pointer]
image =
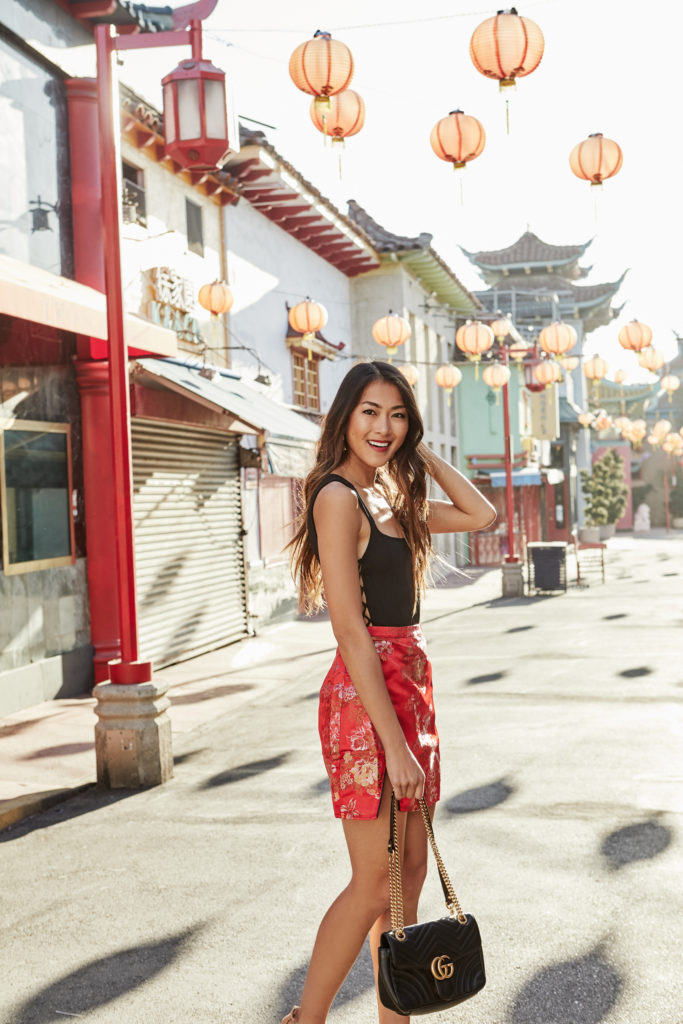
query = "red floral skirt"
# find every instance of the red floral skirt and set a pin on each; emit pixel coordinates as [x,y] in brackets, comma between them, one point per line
[352,751]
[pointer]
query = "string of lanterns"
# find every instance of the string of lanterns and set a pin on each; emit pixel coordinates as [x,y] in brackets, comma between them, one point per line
[504,47]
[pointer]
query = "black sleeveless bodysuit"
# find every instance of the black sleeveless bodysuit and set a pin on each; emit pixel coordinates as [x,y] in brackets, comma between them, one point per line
[386,569]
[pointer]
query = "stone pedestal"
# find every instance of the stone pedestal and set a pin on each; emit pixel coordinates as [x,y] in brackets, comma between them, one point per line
[133,736]
[513,579]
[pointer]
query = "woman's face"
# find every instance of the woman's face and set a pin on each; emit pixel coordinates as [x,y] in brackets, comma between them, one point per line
[378,425]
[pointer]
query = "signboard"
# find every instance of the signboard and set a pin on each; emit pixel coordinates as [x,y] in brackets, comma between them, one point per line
[545,414]
[172,303]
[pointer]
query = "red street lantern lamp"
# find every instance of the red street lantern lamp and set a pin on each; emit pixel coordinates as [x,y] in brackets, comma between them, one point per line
[195,115]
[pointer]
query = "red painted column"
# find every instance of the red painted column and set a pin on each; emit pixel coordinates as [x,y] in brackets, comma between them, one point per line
[93,387]
[509,495]
[92,378]
[86,189]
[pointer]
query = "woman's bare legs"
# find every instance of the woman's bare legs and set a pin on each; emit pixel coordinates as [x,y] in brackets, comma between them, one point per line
[344,927]
[413,872]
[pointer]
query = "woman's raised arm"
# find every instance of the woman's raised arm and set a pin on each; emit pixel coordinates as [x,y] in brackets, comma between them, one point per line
[467,509]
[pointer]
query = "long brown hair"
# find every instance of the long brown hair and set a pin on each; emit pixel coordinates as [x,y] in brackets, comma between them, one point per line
[403,479]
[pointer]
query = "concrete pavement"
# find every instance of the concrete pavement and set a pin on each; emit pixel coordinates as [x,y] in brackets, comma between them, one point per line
[560,824]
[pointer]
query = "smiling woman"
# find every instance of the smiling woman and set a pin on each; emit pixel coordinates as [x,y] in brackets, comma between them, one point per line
[363,549]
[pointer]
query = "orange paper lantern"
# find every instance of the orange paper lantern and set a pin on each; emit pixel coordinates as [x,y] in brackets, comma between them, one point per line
[620,376]
[448,377]
[216,298]
[458,138]
[345,117]
[501,328]
[635,336]
[410,373]
[595,369]
[569,362]
[322,66]
[557,338]
[391,331]
[474,338]
[547,372]
[306,318]
[585,419]
[670,383]
[596,159]
[507,47]
[650,359]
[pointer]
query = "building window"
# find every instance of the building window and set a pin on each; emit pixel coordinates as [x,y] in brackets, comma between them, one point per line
[195,231]
[134,210]
[306,382]
[35,490]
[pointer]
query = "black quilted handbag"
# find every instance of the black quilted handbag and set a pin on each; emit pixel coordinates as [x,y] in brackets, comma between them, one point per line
[430,966]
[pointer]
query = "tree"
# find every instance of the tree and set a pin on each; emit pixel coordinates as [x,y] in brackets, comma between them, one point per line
[606,489]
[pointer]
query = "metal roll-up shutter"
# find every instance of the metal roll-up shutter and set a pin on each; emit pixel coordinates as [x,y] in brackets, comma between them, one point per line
[188,540]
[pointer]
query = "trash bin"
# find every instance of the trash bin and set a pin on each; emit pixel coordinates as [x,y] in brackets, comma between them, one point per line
[547,565]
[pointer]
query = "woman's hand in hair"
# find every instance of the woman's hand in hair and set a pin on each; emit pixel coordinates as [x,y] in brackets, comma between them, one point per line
[405,774]
[467,509]
[428,456]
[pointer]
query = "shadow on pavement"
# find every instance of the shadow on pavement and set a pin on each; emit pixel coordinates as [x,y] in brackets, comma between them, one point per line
[491,677]
[482,798]
[93,799]
[322,787]
[245,770]
[582,991]
[617,615]
[642,841]
[519,629]
[635,673]
[101,981]
[60,750]
[209,693]
[359,981]
[189,755]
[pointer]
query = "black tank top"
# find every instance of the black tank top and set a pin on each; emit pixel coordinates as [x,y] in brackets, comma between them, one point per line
[386,569]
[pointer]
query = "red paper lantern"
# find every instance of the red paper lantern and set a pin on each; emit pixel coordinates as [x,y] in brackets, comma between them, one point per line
[458,138]
[195,115]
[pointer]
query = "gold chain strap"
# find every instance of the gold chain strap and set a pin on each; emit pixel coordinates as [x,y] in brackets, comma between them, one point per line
[453,903]
[395,883]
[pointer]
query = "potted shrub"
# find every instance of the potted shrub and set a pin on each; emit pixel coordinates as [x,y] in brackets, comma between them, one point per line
[606,494]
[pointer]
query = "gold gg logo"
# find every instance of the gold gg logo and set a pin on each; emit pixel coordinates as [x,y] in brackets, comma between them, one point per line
[442,967]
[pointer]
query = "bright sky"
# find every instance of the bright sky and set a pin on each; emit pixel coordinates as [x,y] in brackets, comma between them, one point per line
[610,66]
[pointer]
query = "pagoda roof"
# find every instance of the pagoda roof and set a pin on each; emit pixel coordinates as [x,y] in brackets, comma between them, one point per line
[530,253]
[418,255]
[528,299]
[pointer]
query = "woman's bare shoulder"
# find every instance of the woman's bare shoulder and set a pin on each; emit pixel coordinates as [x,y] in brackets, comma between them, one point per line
[335,500]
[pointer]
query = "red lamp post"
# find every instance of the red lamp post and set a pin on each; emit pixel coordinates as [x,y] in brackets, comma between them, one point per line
[196,116]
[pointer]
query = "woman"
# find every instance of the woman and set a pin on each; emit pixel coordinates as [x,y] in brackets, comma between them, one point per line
[364,542]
